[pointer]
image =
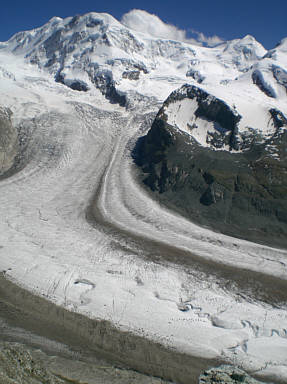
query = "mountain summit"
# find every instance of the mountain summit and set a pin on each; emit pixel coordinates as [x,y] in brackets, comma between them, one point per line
[95,50]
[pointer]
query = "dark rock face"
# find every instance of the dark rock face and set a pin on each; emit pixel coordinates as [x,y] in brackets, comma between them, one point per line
[242,194]
[104,82]
[258,80]
[9,143]
[196,75]
[280,75]
[131,75]
[76,85]
[226,375]
[278,118]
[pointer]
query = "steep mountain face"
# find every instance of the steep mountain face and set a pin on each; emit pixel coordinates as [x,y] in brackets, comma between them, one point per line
[95,50]
[201,161]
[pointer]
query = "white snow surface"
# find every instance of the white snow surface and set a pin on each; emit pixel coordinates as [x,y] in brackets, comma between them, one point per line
[80,148]
[181,115]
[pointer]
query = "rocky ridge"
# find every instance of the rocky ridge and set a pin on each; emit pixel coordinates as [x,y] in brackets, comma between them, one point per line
[225,177]
[97,51]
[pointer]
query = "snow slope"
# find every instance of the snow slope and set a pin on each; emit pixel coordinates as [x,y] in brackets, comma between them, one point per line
[120,265]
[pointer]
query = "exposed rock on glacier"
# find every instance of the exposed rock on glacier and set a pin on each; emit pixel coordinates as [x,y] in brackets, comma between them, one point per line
[17,366]
[226,375]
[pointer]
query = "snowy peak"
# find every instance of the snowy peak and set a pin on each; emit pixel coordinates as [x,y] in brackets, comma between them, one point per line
[95,50]
[62,34]
[122,60]
[70,24]
[282,46]
[246,48]
[241,53]
[81,51]
[279,53]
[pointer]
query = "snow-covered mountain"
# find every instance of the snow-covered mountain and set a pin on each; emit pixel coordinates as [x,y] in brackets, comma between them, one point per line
[79,229]
[95,50]
[84,48]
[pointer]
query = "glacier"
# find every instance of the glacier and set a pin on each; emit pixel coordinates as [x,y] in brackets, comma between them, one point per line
[79,230]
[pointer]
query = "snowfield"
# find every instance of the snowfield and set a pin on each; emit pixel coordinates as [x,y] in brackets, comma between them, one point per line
[78,229]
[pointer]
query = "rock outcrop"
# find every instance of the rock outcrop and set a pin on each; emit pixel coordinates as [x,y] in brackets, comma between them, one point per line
[197,161]
[8,141]
[226,375]
[17,366]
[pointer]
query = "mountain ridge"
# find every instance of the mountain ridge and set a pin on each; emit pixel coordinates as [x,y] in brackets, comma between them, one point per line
[81,48]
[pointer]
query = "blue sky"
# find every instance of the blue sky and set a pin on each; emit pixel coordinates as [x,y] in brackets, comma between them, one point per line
[228,19]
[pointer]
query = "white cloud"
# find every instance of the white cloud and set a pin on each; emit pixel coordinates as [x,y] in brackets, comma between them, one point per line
[145,22]
[210,41]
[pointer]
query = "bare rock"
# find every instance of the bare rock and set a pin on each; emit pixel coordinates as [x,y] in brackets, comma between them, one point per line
[17,366]
[226,375]
[8,141]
